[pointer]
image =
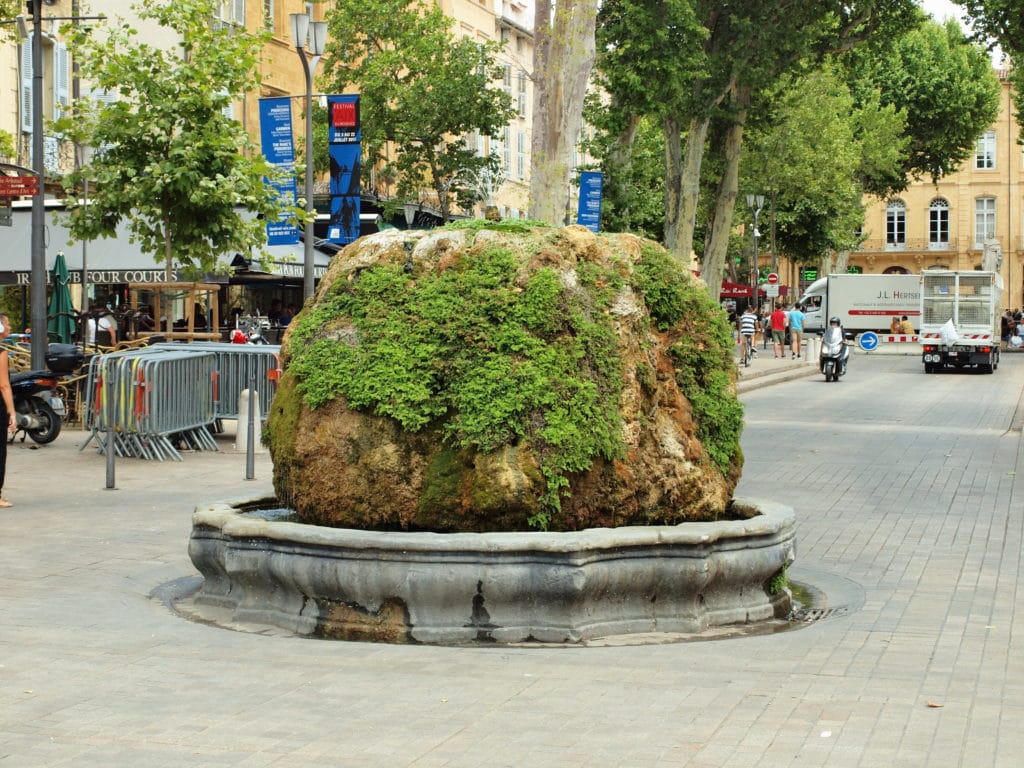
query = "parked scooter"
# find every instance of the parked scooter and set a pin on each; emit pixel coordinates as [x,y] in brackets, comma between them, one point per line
[835,354]
[249,330]
[38,408]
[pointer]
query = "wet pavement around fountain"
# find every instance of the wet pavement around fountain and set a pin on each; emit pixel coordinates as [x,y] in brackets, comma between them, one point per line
[909,493]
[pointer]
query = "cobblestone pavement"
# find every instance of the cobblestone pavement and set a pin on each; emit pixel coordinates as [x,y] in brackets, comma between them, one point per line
[909,490]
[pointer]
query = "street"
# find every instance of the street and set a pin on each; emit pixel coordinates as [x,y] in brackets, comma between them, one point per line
[909,492]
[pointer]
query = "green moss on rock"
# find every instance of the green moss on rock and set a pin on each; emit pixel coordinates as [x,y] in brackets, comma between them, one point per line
[500,356]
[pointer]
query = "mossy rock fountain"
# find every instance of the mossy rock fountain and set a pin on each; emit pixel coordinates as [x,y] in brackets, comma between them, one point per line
[505,432]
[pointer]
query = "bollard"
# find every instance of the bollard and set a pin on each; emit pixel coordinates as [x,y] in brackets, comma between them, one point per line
[813,350]
[242,432]
[110,447]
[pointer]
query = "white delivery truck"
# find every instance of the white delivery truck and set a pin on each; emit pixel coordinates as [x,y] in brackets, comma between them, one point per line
[960,319]
[861,302]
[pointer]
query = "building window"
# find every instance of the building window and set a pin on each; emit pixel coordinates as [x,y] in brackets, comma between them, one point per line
[521,154]
[984,220]
[896,224]
[522,95]
[938,224]
[506,149]
[985,151]
[56,91]
[268,15]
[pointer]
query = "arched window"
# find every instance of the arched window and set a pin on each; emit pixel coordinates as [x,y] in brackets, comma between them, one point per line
[895,269]
[938,224]
[896,225]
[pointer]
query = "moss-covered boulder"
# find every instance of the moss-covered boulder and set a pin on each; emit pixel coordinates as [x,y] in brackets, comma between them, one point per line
[496,376]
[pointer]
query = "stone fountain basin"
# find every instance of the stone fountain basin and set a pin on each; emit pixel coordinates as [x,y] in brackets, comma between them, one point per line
[492,587]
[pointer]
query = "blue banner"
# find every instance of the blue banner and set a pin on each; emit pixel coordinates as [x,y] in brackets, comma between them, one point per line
[589,212]
[343,137]
[278,145]
[345,201]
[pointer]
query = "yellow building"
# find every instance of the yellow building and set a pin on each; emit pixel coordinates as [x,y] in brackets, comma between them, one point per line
[281,74]
[945,224]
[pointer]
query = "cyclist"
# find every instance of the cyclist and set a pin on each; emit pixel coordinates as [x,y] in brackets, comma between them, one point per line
[749,325]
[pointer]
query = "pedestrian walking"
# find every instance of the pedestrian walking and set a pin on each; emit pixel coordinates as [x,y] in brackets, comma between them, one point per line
[778,323]
[7,413]
[796,330]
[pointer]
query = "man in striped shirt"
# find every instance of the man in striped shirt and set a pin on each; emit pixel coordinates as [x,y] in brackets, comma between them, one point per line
[749,325]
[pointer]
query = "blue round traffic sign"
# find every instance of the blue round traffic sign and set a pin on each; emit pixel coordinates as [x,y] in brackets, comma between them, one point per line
[868,341]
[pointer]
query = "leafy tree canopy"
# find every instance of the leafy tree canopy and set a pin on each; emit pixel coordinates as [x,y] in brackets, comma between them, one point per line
[170,162]
[1001,22]
[944,84]
[810,158]
[421,90]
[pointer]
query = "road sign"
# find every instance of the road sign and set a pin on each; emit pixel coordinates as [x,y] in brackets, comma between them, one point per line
[868,341]
[771,291]
[18,186]
[773,278]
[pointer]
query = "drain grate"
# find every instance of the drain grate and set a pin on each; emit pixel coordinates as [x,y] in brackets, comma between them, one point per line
[811,614]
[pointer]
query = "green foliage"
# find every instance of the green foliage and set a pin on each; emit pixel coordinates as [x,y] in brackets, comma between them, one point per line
[511,226]
[703,361]
[172,163]
[6,144]
[663,283]
[471,351]
[779,582]
[945,86]
[421,91]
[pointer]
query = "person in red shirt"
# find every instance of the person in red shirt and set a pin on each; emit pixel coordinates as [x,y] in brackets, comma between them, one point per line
[778,322]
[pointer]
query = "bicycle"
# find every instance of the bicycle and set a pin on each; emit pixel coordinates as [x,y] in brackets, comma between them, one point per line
[748,350]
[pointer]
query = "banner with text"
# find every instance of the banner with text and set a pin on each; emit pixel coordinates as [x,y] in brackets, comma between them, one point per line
[278,145]
[344,137]
[589,212]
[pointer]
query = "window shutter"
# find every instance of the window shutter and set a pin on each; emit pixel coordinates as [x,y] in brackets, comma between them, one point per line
[239,13]
[26,85]
[61,98]
[228,110]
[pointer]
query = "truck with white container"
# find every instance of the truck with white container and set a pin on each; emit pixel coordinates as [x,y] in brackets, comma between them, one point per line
[861,302]
[960,319]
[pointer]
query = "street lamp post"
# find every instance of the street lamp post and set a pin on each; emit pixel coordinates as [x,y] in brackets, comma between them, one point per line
[755,203]
[38,261]
[309,38]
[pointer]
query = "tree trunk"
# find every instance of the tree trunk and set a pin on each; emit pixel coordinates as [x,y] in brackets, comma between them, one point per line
[168,258]
[835,262]
[563,58]
[673,180]
[717,246]
[620,160]
[684,181]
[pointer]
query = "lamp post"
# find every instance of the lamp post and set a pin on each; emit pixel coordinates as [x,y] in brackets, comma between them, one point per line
[38,261]
[83,156]
[309,38]
[755,203]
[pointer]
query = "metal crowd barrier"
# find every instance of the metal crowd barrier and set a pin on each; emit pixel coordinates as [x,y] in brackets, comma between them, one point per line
[155,399]
[236,363]
[152,404]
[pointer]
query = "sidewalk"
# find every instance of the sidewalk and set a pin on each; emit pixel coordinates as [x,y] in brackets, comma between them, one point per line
[914,539]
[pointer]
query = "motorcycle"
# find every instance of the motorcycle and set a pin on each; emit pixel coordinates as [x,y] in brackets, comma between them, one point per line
[835,354]
[38,408]
[249,330]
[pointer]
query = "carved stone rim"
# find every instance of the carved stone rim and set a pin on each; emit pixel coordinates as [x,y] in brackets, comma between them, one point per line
[494,587]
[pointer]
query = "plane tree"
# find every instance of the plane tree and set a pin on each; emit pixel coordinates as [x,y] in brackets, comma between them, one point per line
[423,92]
[170,160]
